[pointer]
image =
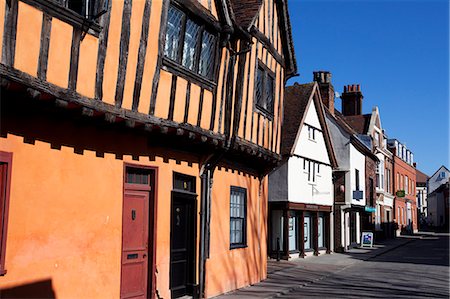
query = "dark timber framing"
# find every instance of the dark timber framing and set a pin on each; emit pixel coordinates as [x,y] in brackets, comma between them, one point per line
[45,42]
[74,58]
[239,88]
[247,92]
[123,56]
[173,91]
[102,44]
[161,44]
[65,15]
[188,99]
[141,54]
[222,100]
[9,33]
[267,44]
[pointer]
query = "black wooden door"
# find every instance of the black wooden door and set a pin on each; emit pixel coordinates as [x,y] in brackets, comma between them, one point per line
[182,245]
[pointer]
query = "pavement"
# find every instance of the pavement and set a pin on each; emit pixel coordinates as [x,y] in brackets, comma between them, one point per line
[293,278]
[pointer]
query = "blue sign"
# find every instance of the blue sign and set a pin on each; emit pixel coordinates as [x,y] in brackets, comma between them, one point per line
[358,194]
[369,209]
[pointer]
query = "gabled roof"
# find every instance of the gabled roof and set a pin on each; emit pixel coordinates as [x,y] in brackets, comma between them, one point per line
[360,123]
[297,101]
[439,169]
[244,13]
[357,143]
[421,177]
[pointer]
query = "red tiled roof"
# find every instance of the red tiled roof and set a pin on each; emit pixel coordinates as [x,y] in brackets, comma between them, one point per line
[296,99]
[421,177]
[360,123]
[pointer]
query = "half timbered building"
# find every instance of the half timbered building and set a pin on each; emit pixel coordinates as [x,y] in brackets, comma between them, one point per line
[136,138]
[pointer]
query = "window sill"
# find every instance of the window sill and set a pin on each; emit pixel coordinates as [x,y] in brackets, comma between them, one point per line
[264,112]
[178,70]
[66,15]
[237,246]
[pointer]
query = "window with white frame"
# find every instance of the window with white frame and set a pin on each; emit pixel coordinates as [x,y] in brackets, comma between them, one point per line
[377,139]
[238,215]
[406,184]
[388,180]
[380,175]
[442,175]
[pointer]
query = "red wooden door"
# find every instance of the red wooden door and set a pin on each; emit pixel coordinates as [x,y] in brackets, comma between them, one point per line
[135,244]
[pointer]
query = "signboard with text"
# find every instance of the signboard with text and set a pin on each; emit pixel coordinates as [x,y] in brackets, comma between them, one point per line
[367,239]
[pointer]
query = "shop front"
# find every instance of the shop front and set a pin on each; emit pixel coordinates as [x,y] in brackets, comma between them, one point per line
[299,230]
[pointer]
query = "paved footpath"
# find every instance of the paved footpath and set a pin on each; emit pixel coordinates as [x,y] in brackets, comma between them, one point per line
[406,267]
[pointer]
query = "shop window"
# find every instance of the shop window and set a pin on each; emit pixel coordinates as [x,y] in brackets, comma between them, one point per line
[238,215]
[189,44]
[5,184]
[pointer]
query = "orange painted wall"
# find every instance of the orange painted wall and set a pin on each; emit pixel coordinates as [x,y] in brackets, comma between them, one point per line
[59,53]
[87,66]
[65,219]
[28,41]
[228,269]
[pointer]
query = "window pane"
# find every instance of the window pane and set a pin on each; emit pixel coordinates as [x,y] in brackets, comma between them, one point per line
[190,43]
[269,95]
[173,33]
[259,87]
[207,55]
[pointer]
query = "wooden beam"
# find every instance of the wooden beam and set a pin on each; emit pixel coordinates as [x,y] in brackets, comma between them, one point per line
[200,107]
[66,15]
[123,56]
[74,59]
[45,42]
[141,54]
[161,44]
[9,33]
[267,44]
[102,44]
[173,90]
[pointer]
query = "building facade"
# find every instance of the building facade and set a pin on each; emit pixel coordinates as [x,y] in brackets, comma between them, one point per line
[438,199]
[301,188]
[135,141]
[405,204]
[422,201]
[356,164]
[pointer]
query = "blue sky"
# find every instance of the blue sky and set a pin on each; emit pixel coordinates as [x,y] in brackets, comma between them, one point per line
[397,50]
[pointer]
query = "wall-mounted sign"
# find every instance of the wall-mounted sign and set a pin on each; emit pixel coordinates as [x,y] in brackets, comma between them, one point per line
[358,194]
[369,209]
[400,193]
[367,239]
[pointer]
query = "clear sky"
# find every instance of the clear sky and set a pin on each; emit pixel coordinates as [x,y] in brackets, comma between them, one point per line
[397,50]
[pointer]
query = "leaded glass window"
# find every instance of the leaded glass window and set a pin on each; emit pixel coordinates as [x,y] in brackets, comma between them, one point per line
[174,19]
[190,44]
[238,202]
[265,90]
[206,65]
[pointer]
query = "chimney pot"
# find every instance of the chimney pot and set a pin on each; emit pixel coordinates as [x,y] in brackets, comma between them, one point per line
[323,78]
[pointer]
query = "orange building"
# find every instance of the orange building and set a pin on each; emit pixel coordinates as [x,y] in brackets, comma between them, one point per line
[404,173]
[136,138]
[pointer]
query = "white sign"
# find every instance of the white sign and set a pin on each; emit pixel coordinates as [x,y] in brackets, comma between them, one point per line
[367,239]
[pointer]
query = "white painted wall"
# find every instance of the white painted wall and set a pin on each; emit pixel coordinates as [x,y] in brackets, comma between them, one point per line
[301,191]
[357,161]
[313,149]
[435,181]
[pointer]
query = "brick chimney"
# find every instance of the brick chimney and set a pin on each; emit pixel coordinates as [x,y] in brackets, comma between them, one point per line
[323,78]
[352,100]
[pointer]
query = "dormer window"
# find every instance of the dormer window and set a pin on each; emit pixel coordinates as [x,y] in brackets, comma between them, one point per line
[189,44]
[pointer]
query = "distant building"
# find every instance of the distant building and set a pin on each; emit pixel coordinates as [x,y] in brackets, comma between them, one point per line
[354,187]
[301,189]
[405,214]
[422,194]
[438,198]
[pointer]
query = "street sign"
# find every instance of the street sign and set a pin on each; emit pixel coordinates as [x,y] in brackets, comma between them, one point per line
[358,194]
[367,239]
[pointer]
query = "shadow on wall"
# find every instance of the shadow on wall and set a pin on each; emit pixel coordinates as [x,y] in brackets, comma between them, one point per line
[40,289]
[43,121]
